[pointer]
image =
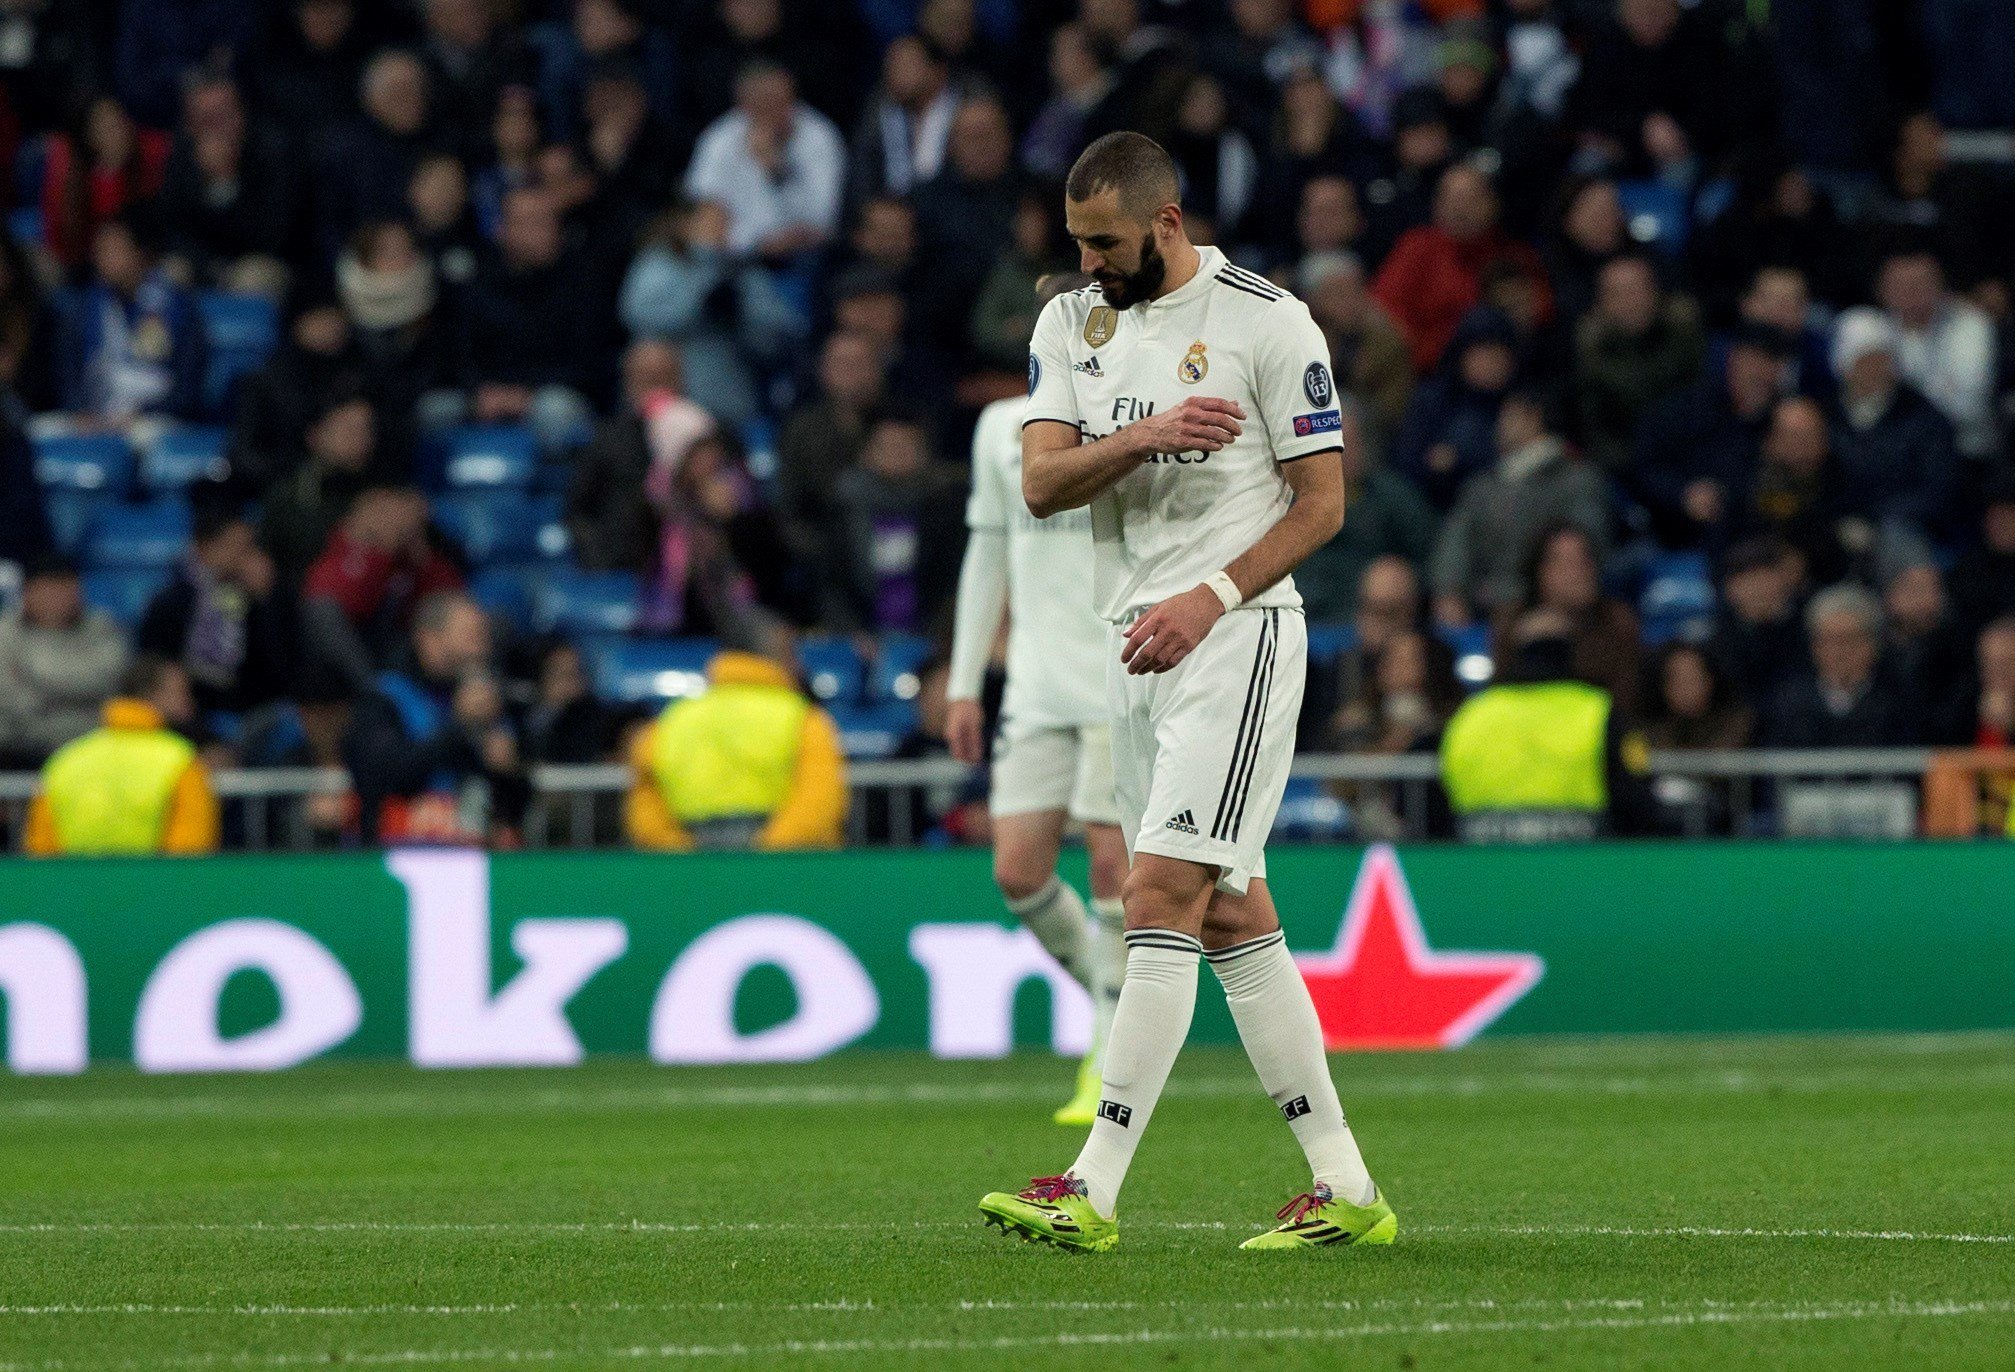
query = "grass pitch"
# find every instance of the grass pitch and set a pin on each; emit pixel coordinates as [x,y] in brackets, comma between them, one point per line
[1649,1203]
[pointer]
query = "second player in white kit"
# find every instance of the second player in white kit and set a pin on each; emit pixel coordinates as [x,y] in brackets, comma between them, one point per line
[1189,404]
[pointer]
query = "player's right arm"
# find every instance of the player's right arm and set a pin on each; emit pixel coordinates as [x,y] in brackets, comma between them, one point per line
[983,586]
[1060,471]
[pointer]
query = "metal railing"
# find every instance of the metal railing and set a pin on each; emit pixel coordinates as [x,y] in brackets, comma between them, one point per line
[895,802]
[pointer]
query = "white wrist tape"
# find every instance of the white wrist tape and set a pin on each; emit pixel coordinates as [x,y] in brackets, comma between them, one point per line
[1225,589]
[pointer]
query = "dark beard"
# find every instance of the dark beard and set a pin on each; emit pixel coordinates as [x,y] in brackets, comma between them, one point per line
[1127,290]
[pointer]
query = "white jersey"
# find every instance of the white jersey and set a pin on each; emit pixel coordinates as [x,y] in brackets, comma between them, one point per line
[1056,642]
[1179,517]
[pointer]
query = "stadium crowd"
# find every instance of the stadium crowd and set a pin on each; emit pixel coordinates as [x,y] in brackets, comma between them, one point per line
[425,377]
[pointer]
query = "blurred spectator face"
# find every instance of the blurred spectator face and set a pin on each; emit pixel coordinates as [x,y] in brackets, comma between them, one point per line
[515,130]
[118,258]
[108,133]
[439,193]
[1844,650]
[1423,145]
[1755,379]
[1915,600]
[887,233]
[1338,299]
[1569,580]
[1686,685]
[1388,602]
[324,24]
[391,249]
[952,24]
[228,551]
[895,450]
[561,176]
[1463,83]
[212,110]
[651,367]
[1871,375]
[616,101]
[850,370]
[1112,20]
[459,23]
[529,232]
[603,26]
[1465,207]
[1520,422]
[395,93]
[1911,288]
[1997,657]
[1329,219]
[1626,296]
[458,645]
[1761,594]
[1920,146]
[1649,23]
[342,439]
[562,678]
[1402,666]
[52,600]
[173,698]
[1997,527]
[1487,365]
[323,330]
[1259,19]
[752,21]
[767,95]
[911,75]
[1779,297]
[1204,112]
[1594,219]
[1073,66]
[1798,439]
[981,142]
[878,314]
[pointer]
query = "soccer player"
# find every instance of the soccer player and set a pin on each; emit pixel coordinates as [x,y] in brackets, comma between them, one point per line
[1053,760]
[1190,405]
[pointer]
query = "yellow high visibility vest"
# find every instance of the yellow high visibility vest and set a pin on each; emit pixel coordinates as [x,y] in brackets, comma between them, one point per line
[1535,747]
[109,791]
[731,752]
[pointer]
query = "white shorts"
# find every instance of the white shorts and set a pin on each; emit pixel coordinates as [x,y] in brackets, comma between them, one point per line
[1201,753]
[1054,767]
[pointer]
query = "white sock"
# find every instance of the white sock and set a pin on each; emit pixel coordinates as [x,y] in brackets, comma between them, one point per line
[1108,969]
[1058,919]
[1276,1022]
[1148,1028]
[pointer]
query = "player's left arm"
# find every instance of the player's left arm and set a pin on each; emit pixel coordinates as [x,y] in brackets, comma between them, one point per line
[1295,395]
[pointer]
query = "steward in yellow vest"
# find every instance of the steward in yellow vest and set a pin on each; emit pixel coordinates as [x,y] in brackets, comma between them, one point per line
[748,763]
[132,786]
[1541,757]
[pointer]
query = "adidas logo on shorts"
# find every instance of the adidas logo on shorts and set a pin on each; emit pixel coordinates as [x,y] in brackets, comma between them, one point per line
[1184,823]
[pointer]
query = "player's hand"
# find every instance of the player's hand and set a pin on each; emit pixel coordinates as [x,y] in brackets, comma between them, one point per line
[1200,424]
[1168,633]
[965,731]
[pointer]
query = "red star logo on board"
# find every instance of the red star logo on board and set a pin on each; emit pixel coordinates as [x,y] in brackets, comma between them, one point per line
[1382,987]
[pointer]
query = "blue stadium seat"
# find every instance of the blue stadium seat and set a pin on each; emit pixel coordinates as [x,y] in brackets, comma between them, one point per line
[491,455]
[25,225]
[490,526]
[154,535]
[1678,597]
[506,592]
[1328,642]
[1308,813]
[1656,214]
[833,670]
[640,671]
[567,600]
[243,330]
[874,731]
[31,165]
[182,457]
[123,592]
[1471,646]
[895,669]
[80,474]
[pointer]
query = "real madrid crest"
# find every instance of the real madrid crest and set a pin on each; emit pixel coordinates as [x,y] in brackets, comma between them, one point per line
[1100,325]
[1194,366]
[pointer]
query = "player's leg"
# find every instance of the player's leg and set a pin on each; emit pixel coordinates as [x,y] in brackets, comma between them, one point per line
[1094,804]
[1032,775]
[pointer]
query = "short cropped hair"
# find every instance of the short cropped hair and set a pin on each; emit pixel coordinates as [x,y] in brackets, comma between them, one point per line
[143,676]
[1131,163]
[1845,599]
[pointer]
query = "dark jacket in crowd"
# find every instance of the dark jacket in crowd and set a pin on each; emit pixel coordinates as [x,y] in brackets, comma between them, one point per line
[1800,718]
[233,645]
[1692,436]
[527,328]
[258,219]
[403,741]
[1904,466]
[609,519]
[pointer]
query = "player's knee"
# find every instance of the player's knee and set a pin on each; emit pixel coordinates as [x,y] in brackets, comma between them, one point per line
[1019,874]
[1162,894]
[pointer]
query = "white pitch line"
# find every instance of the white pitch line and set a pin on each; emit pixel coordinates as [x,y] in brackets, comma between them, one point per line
[1750,1080]
[1672,1319]
[63,1228]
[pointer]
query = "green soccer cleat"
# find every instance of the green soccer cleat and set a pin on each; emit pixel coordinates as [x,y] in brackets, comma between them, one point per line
[1316,1218]
[1052,1210]
[1082,1108]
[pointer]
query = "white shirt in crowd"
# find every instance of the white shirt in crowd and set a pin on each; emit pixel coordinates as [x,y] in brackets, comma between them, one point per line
[807,191]
[1952,362]
[1225,333]
[1040,571]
